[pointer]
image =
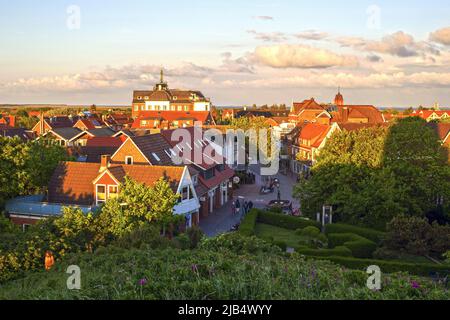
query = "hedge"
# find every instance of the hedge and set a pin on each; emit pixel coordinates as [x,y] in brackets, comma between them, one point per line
[370,234]
[386,266]
[338,251]
[247,226]
[359,246]
[284,221]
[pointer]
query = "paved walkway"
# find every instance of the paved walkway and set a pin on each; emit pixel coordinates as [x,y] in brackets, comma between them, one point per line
[222,220]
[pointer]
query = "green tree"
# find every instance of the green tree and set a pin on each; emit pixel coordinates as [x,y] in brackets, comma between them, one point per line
[26,168]
[374,174]
[137,205]
[416,158]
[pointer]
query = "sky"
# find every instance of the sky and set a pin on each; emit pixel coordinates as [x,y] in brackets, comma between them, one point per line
[386,53]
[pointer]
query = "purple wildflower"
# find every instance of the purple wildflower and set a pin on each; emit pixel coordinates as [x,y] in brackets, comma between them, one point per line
[415,285]
[143,282]
[194,268]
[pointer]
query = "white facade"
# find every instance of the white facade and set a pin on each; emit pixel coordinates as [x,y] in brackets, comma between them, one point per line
[202,106]
[157,105]
[189,206]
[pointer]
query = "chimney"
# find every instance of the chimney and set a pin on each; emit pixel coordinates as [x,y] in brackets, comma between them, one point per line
[105,162]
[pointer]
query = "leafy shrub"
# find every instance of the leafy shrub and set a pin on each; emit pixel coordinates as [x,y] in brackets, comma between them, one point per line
[148,235]
[311,231]
[338,251]
[371,234]
[247,226]
[195,235]
[239,244]
[360,247]
[424,269]
[183,241]
[280,244]
[416,236]
[284,221]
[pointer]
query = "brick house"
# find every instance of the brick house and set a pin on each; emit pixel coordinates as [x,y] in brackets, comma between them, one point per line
[88,185]
[70,137]
[162,98]
[211,181]
[47,124]
[171,119]
[307,142]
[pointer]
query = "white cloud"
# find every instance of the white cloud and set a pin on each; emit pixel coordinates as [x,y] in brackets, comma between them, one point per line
[312,35]
[300,56]
[441,36]
[264,18]
[398,44]
[269,36]
[350,80]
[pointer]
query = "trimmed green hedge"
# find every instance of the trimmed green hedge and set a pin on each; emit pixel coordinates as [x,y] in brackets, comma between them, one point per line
[359,246]
[423,269]
[284,221]
[370,234]
[340,251]
[247,226]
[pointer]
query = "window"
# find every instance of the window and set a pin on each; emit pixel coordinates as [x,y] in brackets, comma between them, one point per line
[113,192]
[156,157]
[136,108]
[186,108]
[185,194]
[195,180]
[180,108]
[129,160]
[101,193]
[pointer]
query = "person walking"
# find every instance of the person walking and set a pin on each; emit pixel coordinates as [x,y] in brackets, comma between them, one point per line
[245,207]
[238,206]
[250,205]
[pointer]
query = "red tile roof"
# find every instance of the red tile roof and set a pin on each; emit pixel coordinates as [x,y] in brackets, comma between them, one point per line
[315,133]
[72,182]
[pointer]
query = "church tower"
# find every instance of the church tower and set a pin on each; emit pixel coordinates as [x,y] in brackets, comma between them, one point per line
[339,99]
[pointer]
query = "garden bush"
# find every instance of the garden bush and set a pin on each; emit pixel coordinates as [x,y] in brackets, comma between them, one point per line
[423,269]
[338,251]
[284,221]
[311,231]
[371,234]
[281,244]
[247,226]
[360,247]
[195,235]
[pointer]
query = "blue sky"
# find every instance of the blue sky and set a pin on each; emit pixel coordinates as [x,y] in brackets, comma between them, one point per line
[237,52]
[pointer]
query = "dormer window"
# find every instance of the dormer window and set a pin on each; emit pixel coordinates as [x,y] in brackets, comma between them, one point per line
[175,98]
[129,160]
[156,157]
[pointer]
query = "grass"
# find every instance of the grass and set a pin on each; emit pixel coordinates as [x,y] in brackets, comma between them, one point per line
[202,274]
[265,231]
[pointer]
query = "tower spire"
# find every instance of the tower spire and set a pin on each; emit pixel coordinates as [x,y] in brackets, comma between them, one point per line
[162,76]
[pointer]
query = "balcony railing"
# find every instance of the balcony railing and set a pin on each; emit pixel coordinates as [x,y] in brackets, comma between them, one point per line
[34,206]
